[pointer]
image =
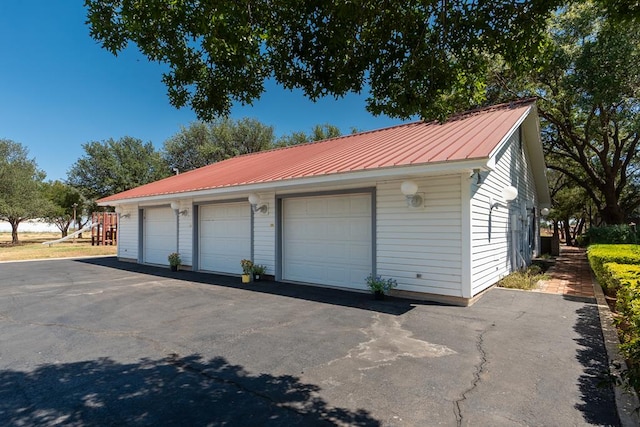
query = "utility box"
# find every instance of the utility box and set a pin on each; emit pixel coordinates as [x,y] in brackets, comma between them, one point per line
[550,245]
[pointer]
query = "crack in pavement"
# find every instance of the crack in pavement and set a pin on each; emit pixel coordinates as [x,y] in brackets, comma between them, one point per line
[479,369]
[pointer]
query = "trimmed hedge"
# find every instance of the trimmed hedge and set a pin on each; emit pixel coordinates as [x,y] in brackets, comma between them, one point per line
[617,268]
[599,255]
[627,278]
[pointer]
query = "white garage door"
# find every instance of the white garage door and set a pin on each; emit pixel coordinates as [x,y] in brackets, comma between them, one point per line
[159,235]
[225,236]
[327,240]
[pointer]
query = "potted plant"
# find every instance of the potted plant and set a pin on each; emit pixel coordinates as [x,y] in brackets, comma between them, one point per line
[380,286]
[174,261]
[247,270]
[258,271]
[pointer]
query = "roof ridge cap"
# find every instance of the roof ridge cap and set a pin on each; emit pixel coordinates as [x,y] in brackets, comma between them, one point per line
[304,144]
[489,108]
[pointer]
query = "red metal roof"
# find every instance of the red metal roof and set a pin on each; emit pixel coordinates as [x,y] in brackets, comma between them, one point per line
[471,135]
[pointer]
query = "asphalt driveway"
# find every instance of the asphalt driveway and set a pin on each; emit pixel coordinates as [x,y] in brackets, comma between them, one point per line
[99,342]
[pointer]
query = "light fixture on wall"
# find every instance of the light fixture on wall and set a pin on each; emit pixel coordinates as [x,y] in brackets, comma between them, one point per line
[544,211]
[256,205]
[410,190]
[476,173]
[176,208]
[120,213]
[509,194]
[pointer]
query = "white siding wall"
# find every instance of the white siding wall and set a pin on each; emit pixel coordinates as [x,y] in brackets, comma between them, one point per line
[264,234]
[491,231]
[422,241]
[128,233]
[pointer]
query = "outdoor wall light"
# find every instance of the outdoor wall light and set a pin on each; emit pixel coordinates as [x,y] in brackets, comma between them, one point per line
[176,208]
[409,189]
[476,173]
[509,194]
[120,213]
[254,200]
[544,211]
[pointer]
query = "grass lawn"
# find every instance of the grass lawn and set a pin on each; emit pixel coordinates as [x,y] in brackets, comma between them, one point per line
[31,247]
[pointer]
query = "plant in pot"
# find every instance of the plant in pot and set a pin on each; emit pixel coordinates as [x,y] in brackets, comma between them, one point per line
[247,270]
[174,261]
[258,271]
[379,286]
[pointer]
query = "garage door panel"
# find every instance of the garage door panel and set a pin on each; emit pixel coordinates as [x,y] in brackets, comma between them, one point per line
[338,229]
[159,238]
[358,228]
[296,208]
[361,205]
[317,208]
[338,274]
[361,254]
[327,240]
[338,207]
[224,237]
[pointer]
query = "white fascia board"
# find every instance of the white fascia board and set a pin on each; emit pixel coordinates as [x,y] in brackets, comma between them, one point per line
[336,178]
[513,129]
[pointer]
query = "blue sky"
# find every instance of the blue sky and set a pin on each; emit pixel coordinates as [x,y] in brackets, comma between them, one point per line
[60,89]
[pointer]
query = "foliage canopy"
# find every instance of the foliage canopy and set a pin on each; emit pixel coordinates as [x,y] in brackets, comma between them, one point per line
[113,166]
[422,58]
[588,84]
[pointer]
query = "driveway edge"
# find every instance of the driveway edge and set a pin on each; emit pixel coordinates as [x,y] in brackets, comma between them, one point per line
[626,401]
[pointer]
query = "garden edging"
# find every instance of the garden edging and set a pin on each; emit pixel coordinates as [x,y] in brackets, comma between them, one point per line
[627,402]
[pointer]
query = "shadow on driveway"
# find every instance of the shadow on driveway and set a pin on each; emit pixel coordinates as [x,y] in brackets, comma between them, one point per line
[391,305]
[170,391]
[596,394]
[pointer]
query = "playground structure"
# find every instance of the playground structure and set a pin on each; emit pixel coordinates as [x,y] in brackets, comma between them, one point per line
[104,228]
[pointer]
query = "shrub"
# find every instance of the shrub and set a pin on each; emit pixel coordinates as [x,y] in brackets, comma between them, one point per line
[174,259]
[259,269]
[627,279]
[613,234]
[378,284]
[523,279]
[599,255]
[247,266]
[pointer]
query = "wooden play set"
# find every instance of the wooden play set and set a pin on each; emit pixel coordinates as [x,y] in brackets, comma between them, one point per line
[105,231]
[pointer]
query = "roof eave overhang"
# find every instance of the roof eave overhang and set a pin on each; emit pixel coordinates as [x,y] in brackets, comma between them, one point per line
[531,132]
[343,178]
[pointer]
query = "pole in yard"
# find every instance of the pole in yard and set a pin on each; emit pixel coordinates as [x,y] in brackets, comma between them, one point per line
[75,222]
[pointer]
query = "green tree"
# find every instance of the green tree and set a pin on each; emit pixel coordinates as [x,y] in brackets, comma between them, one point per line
[66,203]
[201,144]
[20,186]
[417,57]
[113,166]
[318,133]
[191,148]
[588,84]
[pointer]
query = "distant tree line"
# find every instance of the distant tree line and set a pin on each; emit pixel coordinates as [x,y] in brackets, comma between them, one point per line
[115,165]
